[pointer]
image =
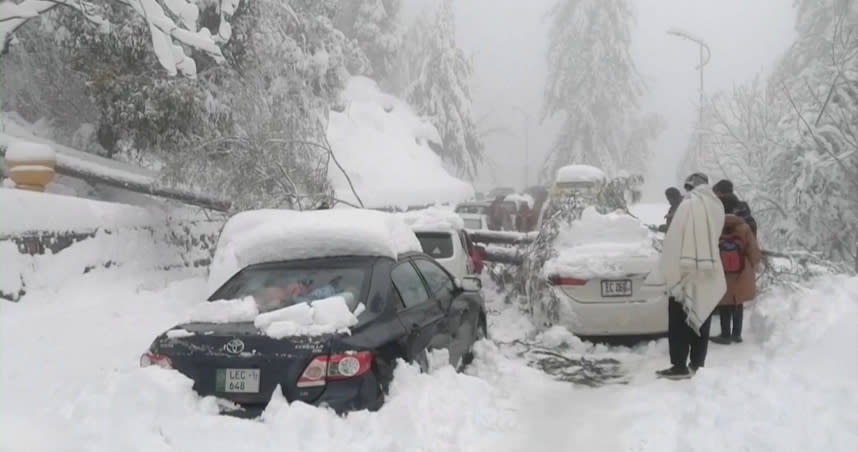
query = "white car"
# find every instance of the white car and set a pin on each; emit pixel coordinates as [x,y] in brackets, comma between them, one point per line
[442,235]
[449,247]
[599,266]
[475,221]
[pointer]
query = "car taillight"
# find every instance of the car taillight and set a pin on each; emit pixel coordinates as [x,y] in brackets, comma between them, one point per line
[155,359]
[566,281]
[335,367]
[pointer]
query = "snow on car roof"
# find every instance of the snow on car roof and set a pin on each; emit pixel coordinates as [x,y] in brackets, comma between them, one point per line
[260,236]
[579,173]
[520,198]
[432,219]
[612,244]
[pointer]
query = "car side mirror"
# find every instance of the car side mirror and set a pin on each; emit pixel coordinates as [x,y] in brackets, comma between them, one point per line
[469,284]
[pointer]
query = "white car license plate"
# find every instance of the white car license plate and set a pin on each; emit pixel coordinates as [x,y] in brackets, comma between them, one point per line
[617,288]
[237,380]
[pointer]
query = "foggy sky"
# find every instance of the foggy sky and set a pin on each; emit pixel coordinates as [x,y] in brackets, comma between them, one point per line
[508,39]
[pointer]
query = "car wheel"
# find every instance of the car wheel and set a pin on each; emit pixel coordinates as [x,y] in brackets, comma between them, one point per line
[480,334]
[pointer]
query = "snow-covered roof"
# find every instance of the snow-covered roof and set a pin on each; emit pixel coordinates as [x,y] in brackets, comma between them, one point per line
[432,219]
[259,236]
[579,173]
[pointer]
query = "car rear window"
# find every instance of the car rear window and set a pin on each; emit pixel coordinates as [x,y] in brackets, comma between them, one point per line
[436,244]
[473,223]
[478,209]
[275,287]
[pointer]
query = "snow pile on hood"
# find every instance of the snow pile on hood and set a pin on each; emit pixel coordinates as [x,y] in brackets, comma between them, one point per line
[433,218]
[225,311]
[328,315]
[610,245]
[383,146]
[579,173]
[260,236]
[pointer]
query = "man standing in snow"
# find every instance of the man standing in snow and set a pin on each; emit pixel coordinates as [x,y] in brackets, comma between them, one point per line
[691,274]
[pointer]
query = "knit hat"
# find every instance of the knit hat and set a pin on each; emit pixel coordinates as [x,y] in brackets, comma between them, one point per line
[731,203]
[695,179]
[723,187]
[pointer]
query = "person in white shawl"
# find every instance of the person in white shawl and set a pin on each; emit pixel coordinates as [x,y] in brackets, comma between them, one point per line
[691,275]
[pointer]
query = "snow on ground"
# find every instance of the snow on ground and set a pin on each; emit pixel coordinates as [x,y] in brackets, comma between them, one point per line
[651,214]
[383,146]
[71,382]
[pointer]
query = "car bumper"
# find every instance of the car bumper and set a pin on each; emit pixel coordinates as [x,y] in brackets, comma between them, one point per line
[645,317]
[342,396]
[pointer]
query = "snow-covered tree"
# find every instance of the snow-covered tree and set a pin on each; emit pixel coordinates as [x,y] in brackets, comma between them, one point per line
[172,26]
[790,144]
[434,76]
[594,85]
[374,24]
[286,66]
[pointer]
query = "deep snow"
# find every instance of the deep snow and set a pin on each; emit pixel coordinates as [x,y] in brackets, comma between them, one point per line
[70,381]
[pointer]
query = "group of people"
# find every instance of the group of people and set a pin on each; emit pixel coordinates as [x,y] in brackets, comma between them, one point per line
[503,216]
[708,264]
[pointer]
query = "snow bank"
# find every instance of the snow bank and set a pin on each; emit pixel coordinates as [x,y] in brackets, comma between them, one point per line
[610,245]
[382,145]
[25,211]
[579,173]
[225,311]
[269,236]
[328,315]
[433,218]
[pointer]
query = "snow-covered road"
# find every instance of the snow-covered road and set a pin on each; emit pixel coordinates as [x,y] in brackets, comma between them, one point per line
[69,381]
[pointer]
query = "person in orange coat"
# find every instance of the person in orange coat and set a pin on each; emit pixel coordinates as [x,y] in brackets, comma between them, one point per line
[740,255]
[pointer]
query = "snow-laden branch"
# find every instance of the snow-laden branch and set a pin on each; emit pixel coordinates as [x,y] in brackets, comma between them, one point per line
[171,33]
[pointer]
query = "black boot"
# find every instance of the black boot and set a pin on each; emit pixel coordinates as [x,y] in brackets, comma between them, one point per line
[738,319]
[675,373]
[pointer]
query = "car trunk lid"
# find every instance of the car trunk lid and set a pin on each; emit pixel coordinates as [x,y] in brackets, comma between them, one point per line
[237,362]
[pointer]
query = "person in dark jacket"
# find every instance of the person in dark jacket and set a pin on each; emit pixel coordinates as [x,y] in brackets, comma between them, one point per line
[674,198]
[725,187]
[741,281]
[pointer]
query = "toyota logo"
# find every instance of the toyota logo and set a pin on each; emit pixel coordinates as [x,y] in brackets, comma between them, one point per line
[234,346]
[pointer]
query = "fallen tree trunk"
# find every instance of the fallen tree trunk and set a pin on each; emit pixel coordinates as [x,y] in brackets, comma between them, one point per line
[153,189]
[502,237]
[97,173]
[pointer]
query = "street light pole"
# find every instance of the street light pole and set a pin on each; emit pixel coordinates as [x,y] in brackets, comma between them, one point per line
[704,59]
[526,144]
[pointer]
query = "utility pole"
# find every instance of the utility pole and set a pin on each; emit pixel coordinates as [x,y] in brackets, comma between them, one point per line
[526,144]
[705,55]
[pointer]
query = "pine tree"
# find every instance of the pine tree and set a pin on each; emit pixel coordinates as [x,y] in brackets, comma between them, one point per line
[435,76]
[374,24]
[593,83]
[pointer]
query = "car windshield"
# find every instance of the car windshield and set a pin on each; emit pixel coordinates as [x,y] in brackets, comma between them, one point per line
[436,244]
[275,287]
[473,223]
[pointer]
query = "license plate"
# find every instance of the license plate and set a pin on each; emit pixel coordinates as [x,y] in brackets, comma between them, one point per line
[617,288]
[237,380]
